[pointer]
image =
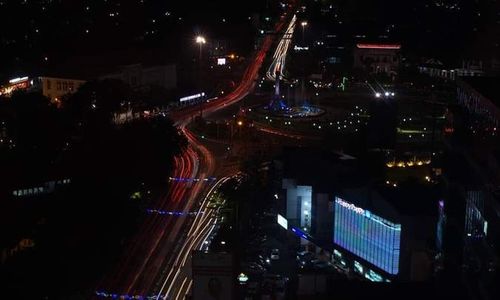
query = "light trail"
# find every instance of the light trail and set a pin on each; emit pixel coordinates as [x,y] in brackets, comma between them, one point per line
[279,58]
[150,253]
[202,222]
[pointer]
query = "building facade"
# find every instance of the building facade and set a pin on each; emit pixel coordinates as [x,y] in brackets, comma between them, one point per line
[435,68]
[368,236]
[377,58]
[381,241]
[53,88]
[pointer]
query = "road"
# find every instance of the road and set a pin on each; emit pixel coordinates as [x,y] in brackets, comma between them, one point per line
[156,263]
[279,58]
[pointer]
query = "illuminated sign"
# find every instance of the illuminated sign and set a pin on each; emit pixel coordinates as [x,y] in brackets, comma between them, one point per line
[19,79]
[299,48]
[379,46]
[15,84]
[301,233]
[192,97]
[282,221]
[367,236]
[349,206]
[221,61]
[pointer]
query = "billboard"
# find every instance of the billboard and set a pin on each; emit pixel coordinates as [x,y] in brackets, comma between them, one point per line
[367,235]
[282,221]
[221,61]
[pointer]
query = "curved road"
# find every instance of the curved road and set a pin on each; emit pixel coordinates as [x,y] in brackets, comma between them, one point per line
[156,263]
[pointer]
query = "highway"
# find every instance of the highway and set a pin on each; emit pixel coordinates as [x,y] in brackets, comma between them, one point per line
[279,58]
[156,263]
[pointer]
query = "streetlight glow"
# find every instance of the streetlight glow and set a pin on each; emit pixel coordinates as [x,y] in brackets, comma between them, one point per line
[200,40]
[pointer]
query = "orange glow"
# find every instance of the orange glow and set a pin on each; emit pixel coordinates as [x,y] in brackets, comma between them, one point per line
[379,46]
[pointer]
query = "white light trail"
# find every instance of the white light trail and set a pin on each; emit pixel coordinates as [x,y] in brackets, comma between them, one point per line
[279,57]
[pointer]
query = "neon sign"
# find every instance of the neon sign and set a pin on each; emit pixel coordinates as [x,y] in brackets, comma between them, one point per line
[19,79]
[283,222]
[379,46]
[350,206]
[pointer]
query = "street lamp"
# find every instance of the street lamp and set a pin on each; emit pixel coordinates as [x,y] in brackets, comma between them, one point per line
[200,40]
[303,24]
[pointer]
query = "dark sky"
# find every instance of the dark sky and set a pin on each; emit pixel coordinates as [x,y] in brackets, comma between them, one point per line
[58,30]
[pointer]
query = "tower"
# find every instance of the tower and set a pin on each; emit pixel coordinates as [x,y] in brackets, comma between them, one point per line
[277,83]
[277,103]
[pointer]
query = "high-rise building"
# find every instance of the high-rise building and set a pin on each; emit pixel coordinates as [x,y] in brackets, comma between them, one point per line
[384,233]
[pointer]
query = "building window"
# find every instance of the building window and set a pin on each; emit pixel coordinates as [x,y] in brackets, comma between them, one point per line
[49,84]
[58,84]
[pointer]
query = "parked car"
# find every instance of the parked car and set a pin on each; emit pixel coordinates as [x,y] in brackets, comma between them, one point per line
[275,254]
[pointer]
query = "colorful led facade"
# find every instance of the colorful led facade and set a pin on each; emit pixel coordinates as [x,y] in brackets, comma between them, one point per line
[367,236]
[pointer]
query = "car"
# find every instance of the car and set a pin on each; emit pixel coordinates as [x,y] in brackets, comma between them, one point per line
[275,254]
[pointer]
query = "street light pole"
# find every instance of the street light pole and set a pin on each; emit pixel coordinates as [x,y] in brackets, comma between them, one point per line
[303,24]
[200,40]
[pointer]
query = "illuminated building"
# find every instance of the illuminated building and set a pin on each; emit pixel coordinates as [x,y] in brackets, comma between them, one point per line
[367,235]
[298,203]
[55,88]
[435,68]
[382,233]
[480,96]
[51,87]
[377,58]
[377,232]
[20,83]
[308,182]
[476,225]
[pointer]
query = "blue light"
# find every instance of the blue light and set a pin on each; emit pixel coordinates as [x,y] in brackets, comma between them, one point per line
[301,233]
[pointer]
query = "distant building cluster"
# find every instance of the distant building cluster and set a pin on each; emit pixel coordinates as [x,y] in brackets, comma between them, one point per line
[51,87]
[380,232]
